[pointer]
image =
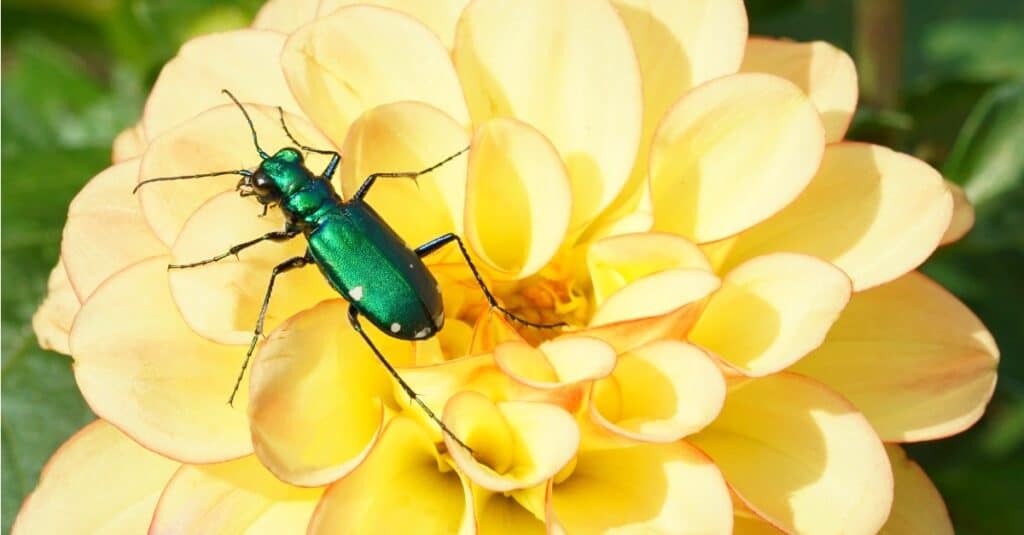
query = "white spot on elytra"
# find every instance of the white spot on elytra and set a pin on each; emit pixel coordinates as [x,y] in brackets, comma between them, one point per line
[423,333]
[410,266]
[395,327]
[356,293]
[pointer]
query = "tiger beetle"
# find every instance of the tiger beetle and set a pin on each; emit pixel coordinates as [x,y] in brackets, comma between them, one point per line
[359,254]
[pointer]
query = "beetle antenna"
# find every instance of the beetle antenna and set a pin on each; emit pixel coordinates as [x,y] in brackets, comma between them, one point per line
[248,119]
[280,112]
[141,183]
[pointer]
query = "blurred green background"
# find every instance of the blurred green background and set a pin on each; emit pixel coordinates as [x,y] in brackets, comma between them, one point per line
[941,79]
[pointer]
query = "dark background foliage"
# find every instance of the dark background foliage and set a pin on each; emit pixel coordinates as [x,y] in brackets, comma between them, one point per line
[941,79]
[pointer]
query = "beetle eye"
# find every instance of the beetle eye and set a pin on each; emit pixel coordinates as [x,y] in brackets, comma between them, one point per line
[262,184]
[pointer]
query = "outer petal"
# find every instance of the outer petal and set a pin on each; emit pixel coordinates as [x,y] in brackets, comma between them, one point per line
[128,144]
[963,215]
[731,153]
[558,68]
[140,367]
[285,16]
[233,497]
[518,199]
[313,370]
[69,498]
[401,488]
[191,82]
[90,250]
[616,261]
[911,357]
[873,212]
[771,311]
[801,456]
[824,72]
[651,488]
[441,16]
[362,56]
[52,321]
[918,508]
[656,294]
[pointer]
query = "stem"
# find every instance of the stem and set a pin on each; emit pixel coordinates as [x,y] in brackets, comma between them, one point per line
[878,46]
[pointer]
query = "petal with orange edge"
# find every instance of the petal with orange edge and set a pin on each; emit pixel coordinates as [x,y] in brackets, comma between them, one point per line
[285,16]
[359,57]
[409,136]
[559,68]
[198,74]
[663,392]
[90,251]
[129,143]
[318,395]
[518,199]
[616,261]
[655,294]
[441,16]
[555,363]
[99,481]
[731,153]
[400,488]
[142,368]
[801,456]
[911,357]
[215,140]
[771,311]
[918,508]
[237,496]
[824,72]
[650,488]
[630,334]
[52,320]
[873,212]
[963,215]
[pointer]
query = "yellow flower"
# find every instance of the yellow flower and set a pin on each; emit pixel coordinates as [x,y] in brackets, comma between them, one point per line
[745,333]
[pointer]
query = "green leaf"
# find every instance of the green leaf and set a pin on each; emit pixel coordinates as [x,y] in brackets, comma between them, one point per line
[981,48]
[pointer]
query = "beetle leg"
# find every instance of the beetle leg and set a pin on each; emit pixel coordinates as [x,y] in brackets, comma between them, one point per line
[365,187]
[279,235]
[441,241]
[353,318]
[287,265]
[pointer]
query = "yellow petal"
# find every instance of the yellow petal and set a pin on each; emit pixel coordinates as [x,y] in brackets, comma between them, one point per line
[440,16]
[731,153]
[399,489]
[409,136]
[52,320]
[232,497]
[911,357]
[665,391]
[518,199]
[128,144]
[771,311]
[556,363]
[801,456]
[616,261]
[963,215]
[559,68]
[314,370]
[631,334]
[824,72]
[873,212]
[747,522]
[359,57]
[516,444]
[285,16]
[191,82]
[651,488]
[221,301]
[918,508]
[142,368]
[215,140]
[90,250]
[99,481]
[656,294]
[498,513]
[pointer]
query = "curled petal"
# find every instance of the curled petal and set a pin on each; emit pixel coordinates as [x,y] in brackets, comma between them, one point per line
[157,380]
[129,143]
[237,496]
[518,198]
[826,73]
[399,489]
[90,251]
[285,16]
[873,212]
[630,334]
[313,370]
[656,294]
[918,508]
[556,363]
[616,261]
[558,68]
[441,16]
[52,321]
[660,392]
[498,513]
[771,311]
[911,357]
[198,72]
[801,456]
[68,498]
[359,57]
[731,153]
[963,215]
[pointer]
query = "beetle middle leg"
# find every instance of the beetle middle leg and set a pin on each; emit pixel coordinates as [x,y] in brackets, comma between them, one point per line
[287,265]
[441,241]
[278,235]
